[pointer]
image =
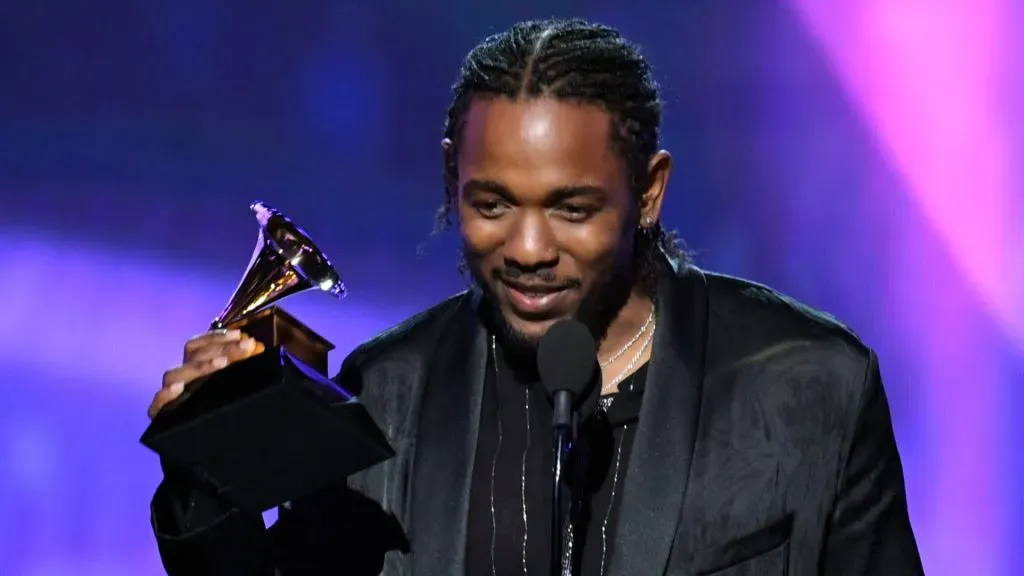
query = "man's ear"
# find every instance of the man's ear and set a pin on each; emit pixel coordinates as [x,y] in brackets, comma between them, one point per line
[658,171]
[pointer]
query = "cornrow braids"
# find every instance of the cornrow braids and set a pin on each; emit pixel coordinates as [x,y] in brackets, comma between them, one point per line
[578,61]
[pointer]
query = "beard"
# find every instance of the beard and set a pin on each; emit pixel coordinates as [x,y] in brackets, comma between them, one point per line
[597,308]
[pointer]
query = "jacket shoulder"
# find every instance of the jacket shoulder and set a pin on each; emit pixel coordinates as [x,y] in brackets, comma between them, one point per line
[738,300]
[763,342]
[748,319]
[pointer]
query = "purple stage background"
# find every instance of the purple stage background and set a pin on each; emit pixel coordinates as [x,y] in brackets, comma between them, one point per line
[863,156]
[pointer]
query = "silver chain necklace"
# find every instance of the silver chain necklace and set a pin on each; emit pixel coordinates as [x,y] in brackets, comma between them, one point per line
[643,328]
[606,400]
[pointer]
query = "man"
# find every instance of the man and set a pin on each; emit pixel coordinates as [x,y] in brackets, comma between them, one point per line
[738,431]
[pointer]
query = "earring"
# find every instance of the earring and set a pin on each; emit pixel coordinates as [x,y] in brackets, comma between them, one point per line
[647,222]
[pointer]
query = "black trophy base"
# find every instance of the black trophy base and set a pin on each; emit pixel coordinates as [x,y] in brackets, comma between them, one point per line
[267,430]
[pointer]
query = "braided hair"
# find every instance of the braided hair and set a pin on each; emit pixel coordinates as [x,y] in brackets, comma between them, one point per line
[577,61]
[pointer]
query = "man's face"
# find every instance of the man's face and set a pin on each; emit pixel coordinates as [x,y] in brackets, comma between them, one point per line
[545,212]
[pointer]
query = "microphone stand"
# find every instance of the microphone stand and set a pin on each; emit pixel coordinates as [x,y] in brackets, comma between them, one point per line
[561,445]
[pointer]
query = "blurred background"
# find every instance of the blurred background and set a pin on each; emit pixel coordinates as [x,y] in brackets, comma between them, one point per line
[860,155]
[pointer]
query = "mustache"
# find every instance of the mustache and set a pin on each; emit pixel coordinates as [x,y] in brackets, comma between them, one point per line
[545,277]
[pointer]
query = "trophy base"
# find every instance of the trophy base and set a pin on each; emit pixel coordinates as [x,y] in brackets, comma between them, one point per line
[267,430]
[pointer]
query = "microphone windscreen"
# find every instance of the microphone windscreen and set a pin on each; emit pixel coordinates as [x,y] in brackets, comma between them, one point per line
[567,359]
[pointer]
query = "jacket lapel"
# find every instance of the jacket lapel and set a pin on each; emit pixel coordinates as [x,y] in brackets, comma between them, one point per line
[449,417]
[654,488]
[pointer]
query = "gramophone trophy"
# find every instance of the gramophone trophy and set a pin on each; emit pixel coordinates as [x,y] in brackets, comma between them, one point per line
[273,427]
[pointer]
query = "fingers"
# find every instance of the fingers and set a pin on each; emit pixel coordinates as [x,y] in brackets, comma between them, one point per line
[244,348]
[201,342]
[205,354]
[233,350]
[163,397]
[188,372]
[212,358]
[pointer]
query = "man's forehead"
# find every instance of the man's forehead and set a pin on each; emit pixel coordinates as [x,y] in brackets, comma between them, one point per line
[533,133]
[536,117]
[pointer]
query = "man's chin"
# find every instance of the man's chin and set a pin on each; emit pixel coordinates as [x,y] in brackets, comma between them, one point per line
[528,329]
[520,337]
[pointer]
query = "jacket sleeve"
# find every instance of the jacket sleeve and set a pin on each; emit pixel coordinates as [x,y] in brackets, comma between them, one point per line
[336,531]
[198,534]
[870,531]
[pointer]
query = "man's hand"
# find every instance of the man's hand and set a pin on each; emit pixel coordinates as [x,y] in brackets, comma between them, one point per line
[204,354]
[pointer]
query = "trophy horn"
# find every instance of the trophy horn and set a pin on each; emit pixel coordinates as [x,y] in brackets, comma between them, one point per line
[285,262]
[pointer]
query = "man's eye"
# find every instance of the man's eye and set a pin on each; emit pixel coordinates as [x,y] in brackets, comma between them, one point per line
[489,208]
[576,212]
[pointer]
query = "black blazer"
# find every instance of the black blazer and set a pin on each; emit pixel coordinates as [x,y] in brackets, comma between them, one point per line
[764,447]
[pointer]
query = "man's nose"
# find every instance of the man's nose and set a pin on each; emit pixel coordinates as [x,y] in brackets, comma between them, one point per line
[531,243]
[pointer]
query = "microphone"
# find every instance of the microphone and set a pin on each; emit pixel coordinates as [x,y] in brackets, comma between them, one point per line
[567,365]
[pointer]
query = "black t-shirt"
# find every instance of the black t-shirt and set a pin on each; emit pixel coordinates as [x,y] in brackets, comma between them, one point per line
[510,503]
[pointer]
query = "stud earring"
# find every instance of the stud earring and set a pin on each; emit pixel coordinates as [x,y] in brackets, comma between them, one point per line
[647,222]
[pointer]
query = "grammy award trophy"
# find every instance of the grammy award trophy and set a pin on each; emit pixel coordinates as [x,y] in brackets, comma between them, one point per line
[273,427]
